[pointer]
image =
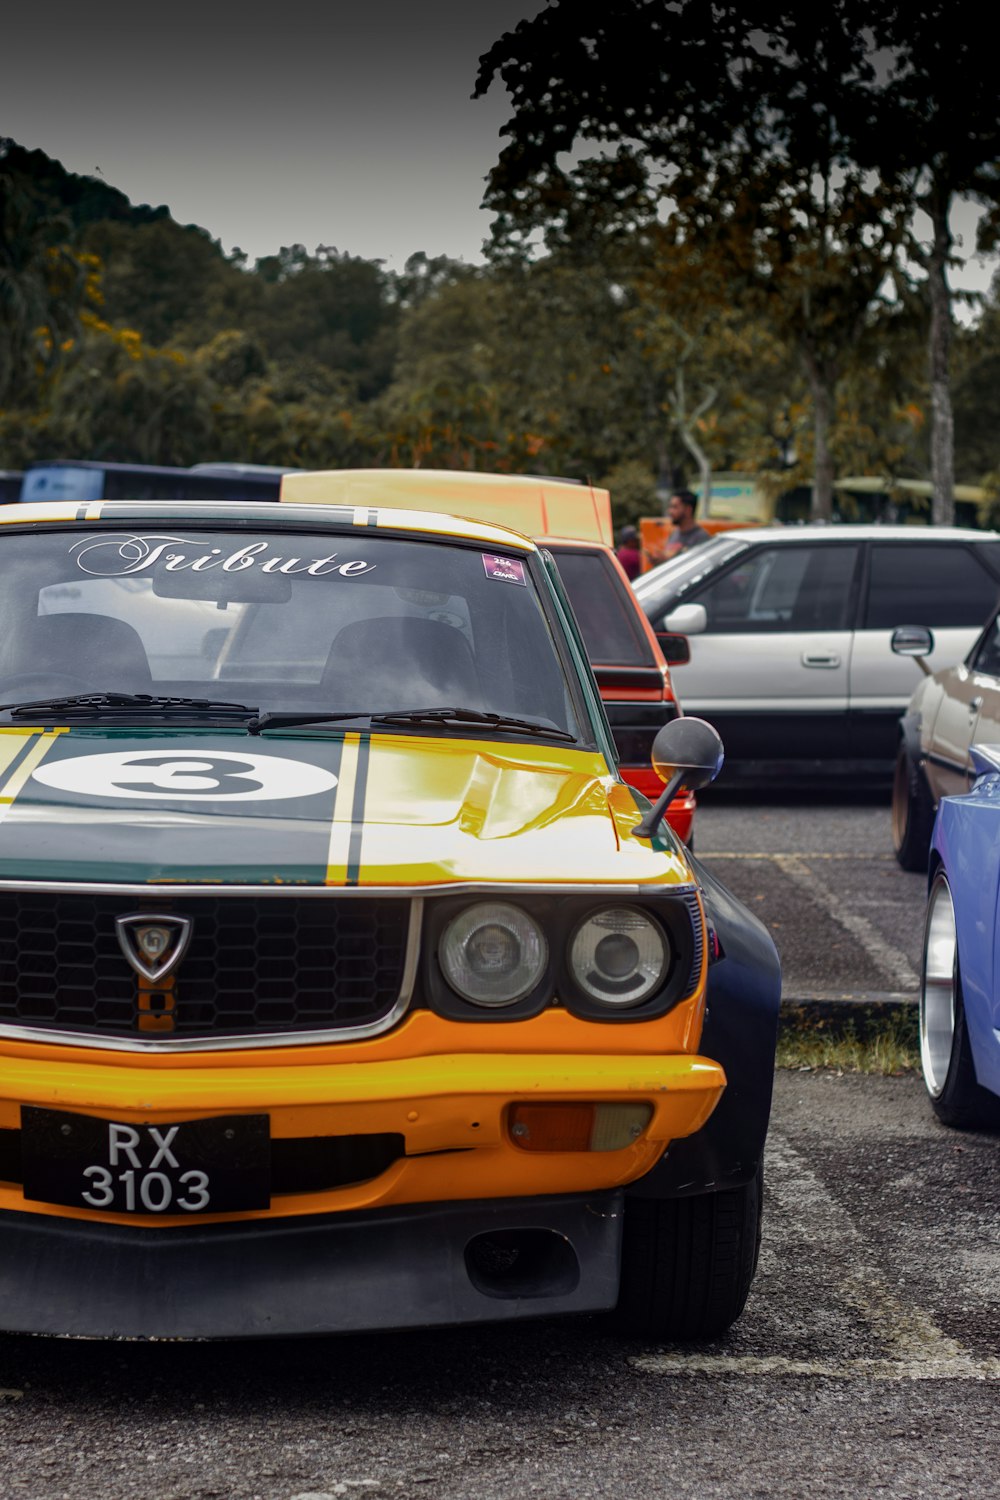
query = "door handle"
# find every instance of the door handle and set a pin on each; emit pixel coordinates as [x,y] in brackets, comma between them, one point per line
[820,659]
[976,703]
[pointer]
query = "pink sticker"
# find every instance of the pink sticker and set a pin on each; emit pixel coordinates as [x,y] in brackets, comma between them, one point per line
[507,569]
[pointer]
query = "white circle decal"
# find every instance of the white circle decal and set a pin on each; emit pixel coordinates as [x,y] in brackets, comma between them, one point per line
[187,776]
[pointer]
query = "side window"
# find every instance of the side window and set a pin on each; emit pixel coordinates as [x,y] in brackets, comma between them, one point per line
[987,657]
[920,583]
[782,589]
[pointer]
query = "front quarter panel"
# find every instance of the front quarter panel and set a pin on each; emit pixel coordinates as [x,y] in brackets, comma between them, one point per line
[966,843]
[743,998]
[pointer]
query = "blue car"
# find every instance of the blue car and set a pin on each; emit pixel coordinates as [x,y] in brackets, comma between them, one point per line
[960,992]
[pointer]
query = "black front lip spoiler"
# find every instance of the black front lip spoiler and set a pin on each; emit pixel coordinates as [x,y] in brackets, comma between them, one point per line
[412,1267]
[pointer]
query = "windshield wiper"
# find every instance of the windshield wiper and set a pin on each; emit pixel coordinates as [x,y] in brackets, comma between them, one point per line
[109,705]
[471,716]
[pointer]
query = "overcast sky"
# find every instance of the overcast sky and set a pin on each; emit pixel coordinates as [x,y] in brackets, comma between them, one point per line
[339,124]
[344,124]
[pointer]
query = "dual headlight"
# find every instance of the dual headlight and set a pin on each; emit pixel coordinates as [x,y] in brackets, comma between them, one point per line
[493,954]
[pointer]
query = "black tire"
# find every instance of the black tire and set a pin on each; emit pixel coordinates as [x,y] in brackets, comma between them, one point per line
[912,813]
[949,1072]
[688,1263]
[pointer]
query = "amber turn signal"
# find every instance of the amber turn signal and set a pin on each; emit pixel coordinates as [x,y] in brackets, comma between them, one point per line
[577,1127]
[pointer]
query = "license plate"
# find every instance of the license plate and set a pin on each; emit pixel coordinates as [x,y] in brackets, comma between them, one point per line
[220,1165]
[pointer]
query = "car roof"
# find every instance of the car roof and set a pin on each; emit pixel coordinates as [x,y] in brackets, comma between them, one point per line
[817,531]
[534,505]
[264,513]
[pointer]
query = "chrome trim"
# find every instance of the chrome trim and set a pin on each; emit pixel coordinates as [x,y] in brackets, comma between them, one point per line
[335,892]
[87,1040]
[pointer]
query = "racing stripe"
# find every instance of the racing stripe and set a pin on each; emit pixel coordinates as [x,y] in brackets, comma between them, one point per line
[13,744]
[345,830]
[358,812]
[23,764]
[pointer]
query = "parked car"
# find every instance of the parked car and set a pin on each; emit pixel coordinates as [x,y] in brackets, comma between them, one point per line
[959,996]
[344,983]
[632,676]
[948,712]
[573,522]
[790,633]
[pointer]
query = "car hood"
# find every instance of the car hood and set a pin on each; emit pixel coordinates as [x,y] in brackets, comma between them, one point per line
[122,805]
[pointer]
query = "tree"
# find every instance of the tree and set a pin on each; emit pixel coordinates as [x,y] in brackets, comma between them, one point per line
[737,122]
[45,287]
[943,129]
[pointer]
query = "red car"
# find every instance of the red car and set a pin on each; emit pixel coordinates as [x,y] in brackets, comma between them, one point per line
[632,674]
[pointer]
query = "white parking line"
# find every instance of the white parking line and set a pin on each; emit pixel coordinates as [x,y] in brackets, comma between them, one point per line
[808,1219]
[706,855]
[889,960]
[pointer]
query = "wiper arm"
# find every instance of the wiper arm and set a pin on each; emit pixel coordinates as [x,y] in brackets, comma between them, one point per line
[103,705]
[289,718]
[471,716]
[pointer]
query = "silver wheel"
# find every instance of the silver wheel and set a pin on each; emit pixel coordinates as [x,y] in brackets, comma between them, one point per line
[938,988]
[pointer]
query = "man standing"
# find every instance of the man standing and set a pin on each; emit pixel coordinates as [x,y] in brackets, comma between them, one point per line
[686,533]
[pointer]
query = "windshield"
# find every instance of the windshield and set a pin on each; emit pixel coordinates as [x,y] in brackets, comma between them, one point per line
[657,589]
[283,621]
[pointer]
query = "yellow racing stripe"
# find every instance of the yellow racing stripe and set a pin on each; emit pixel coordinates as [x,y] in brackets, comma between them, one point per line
[338,856]
[10,747]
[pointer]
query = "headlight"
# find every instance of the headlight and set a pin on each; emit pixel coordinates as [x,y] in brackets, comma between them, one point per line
[493,954]
[619,956]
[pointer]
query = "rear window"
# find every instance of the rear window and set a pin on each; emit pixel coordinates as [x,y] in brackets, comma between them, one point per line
[605,610]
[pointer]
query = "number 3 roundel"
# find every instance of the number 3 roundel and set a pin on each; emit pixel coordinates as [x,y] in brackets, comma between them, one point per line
[186,776]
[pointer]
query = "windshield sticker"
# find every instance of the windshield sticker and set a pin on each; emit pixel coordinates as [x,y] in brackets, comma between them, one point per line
[506,569]
[121,557]
[186,776]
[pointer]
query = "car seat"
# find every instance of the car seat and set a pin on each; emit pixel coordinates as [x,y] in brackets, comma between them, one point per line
[400,661]
[103,653]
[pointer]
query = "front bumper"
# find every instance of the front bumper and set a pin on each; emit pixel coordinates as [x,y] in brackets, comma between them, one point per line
[436,1264]
[450,1110]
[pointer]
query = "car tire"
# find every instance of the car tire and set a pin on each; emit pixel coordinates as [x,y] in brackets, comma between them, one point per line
[688,1263]
[912,813]
[949,1072]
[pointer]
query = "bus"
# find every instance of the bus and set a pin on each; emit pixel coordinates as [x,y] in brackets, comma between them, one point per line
[740,500]
[89,479]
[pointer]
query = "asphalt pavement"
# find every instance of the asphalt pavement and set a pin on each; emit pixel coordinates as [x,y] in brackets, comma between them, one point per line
[866,1365]
[819,871]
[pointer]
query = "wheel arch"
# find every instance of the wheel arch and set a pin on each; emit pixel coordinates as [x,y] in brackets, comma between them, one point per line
[740,1032]
[966,849]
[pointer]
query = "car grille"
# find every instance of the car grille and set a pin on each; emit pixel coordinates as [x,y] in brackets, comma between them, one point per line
[254,965]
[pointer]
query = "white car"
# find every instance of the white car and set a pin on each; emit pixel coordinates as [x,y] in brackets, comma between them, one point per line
[790,635]
[950,711]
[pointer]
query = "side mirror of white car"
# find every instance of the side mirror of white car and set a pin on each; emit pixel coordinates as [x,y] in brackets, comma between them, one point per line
[916,641]
[686,619]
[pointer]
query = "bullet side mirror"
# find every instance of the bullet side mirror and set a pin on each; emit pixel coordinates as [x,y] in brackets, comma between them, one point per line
[686,753]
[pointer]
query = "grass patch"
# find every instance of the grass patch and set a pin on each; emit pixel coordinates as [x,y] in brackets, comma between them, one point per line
[892,1047]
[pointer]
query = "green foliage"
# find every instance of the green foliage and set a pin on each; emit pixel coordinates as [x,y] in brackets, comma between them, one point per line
[611,356]
[45,288]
